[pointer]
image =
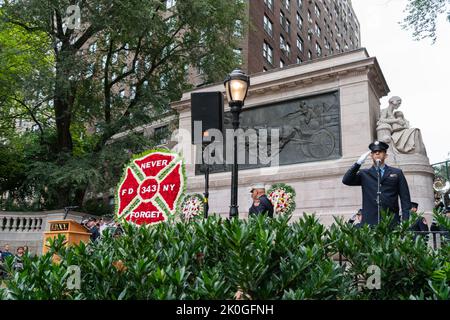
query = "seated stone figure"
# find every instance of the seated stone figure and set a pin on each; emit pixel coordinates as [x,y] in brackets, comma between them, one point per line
[395,130]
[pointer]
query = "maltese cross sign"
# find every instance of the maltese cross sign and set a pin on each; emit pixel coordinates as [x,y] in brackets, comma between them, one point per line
[150,188]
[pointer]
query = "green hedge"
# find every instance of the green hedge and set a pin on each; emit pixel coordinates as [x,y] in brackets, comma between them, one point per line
[214,258]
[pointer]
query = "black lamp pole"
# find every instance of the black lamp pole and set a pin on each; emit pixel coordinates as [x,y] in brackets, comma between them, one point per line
[206,194]
[236,86]
[235,108]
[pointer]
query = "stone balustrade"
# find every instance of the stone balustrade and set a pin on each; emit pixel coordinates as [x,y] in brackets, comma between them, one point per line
[20,223]
[27,228]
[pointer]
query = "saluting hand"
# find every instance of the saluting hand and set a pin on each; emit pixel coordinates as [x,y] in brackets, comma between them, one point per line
[363,158]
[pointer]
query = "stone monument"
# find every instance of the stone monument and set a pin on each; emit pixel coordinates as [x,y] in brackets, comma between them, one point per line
[394,129]
[326,111]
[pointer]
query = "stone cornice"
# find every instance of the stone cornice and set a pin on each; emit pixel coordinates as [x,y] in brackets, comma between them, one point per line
[329,69]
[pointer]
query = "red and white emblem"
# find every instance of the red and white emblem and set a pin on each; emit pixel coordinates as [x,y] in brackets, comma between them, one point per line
[150,188]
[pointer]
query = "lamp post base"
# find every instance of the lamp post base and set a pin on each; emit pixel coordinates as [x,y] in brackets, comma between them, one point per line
[234,212]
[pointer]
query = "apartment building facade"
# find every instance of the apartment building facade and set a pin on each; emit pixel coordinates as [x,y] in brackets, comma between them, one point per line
[286,32]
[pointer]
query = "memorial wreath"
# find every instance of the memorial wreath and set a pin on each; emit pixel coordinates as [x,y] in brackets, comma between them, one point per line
[282,197]
[192,207]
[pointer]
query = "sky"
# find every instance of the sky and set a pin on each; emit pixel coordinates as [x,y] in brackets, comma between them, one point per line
[416,71]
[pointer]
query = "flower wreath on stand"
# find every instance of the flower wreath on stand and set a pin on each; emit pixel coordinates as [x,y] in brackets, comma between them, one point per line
[192,207]
[282,197]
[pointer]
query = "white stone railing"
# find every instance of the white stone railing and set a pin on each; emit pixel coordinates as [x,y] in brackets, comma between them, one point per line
[22,222]
[27,228]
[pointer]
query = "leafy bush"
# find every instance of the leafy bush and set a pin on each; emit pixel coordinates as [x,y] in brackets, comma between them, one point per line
[218,258]
[406,262]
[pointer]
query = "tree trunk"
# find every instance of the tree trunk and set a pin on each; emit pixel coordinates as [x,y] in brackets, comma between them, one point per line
[63,104]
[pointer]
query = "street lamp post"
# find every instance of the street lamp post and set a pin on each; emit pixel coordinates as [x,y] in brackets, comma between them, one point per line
[236,87]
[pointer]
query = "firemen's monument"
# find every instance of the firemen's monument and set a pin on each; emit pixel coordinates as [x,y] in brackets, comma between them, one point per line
[327,111]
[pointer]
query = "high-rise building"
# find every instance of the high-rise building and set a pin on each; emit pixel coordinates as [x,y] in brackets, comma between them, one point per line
[284,32]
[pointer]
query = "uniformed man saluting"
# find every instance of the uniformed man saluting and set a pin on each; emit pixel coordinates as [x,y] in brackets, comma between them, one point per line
[261,204]
[392,185]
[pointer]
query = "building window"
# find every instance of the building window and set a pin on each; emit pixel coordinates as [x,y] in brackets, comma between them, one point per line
[317,29]
[90,70]
[161,134]
[114,58]
[268,25]
[327,44]
[93,47]
[287,26]
[282,43]
[268,52]
[170,3]
[284,46]
[104,62]
[238,55]
[122,93]
[237,28]
[264,69]
[299,60]
[282,18]
[299,21]
[281,63]
[318,49]
[309,54]
[299,43]
[338,47]
[269,4]
[316,10]
[287,4]
[299,3]
[309,17]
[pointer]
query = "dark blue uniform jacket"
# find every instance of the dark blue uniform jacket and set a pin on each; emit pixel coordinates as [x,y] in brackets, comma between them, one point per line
[393,186]
[265,207]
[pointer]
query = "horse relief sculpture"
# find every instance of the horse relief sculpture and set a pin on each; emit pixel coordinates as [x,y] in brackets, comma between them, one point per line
[394,129]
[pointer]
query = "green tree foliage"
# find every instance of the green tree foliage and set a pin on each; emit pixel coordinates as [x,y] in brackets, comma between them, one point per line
[422,17]
[260,258]
[118,69]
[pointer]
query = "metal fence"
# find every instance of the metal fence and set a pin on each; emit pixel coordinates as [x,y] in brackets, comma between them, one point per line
[442,169]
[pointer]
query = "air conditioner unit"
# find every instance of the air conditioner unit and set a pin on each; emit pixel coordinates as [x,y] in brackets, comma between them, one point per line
[282,46]
[310,31]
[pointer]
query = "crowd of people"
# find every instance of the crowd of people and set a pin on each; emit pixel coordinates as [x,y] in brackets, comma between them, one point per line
[97,227]
[17,258]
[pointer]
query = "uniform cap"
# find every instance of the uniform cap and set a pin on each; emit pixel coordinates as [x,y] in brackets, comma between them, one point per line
[257,186]
[378,146]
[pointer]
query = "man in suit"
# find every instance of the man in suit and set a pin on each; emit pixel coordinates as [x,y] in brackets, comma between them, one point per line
[392,185]
[421,225]
[261,204]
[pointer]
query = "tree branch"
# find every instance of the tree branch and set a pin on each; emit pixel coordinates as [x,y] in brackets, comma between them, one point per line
[90,31]
[31,111]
